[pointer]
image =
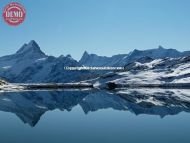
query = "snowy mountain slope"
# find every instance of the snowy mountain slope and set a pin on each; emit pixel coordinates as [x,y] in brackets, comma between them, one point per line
[50,69]
[25,56]
[2,82]
[12,65]
[123,59]
[5,86]
[30,64]
[159,71]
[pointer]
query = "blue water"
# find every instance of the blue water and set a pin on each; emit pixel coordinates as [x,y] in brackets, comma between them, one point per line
[90,117]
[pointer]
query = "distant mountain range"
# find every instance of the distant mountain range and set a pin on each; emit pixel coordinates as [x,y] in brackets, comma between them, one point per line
[123,59]
[30,64]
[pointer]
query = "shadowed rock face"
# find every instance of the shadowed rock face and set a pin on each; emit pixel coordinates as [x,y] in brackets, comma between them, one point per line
[29,64]
[30,106]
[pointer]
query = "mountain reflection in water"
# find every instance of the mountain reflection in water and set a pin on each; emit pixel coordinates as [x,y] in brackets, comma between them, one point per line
[29,106]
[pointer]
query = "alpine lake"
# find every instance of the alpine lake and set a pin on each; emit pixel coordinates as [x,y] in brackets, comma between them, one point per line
[95,116]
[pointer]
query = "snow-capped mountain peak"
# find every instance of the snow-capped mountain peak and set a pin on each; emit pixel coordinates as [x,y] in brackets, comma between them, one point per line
[13,65]
[30,64]
[31,48]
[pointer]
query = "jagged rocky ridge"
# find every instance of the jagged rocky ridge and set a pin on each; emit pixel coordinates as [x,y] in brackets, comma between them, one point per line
[123,59]
[30,65]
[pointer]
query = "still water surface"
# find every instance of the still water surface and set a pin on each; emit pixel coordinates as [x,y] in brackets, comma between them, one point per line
[135,116]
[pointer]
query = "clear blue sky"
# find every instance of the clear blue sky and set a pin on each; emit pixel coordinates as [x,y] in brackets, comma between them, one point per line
[104,27]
